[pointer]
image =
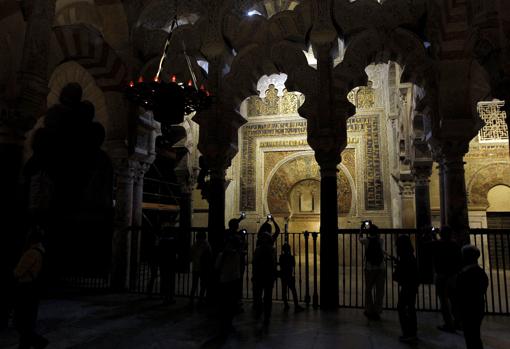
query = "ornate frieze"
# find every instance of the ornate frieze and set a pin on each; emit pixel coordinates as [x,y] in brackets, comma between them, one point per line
[495,129]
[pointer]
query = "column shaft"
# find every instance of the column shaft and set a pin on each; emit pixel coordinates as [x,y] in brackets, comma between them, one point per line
[216,222]
[121,241]
[455,198]
[329,290]
[136,232]
[422,203]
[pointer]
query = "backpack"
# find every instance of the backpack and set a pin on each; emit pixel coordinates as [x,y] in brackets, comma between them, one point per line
[374,254]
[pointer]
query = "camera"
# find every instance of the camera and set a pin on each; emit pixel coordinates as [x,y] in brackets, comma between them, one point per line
[244,231]
[366,224]
[243,214]
[270,216]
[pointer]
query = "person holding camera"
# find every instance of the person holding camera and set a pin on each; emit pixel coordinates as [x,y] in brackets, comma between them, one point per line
[240,235]
[264,269]
[266,228]
[375,269]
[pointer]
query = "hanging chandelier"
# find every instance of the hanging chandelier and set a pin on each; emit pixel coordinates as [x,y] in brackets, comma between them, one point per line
[169,100]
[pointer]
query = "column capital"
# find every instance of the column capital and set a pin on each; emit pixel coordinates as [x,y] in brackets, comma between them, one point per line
[421,173]
[407,188]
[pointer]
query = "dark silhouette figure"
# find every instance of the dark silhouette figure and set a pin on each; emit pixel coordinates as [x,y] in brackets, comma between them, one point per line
[425,256]
[228,267]
[201,262]
[264,274]
[375,270]
[266,228]
[447,263]
[234,232]
[287,264]
[27,275]
[472,283]
[153,261]
[167,256]
[406,274]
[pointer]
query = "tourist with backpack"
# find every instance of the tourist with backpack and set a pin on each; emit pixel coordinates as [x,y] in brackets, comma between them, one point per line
[375,269]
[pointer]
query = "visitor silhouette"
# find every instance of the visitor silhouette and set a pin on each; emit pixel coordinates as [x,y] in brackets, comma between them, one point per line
[375,269]
[153,258]
[406,275]
[167,256]
[447,263]
[201,261]
[228,267]
[287,264]
[27,275]
[264,269]
[240,235]
[472,283]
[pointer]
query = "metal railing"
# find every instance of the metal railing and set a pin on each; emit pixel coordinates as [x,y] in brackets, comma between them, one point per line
[493,244]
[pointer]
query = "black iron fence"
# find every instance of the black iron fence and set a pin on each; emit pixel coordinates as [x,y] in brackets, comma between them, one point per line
[493,244]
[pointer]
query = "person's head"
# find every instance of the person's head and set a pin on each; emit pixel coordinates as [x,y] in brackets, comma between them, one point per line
[286,248]
[233,224]
[201,236]
[373,231]
[266,227]
[470,254]
[446,233]
[404,246]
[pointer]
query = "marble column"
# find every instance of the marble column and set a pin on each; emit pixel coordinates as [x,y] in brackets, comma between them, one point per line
[408,207]
[422,195]
[442,203]
[455,197]
[122,234]
[139,170]
[185,219]
[329,270]
[216,218]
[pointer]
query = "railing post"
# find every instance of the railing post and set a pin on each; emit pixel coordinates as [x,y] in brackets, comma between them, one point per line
[315,294]
[307,270]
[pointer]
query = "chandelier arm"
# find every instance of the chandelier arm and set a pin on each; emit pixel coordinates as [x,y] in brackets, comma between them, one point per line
[173,25]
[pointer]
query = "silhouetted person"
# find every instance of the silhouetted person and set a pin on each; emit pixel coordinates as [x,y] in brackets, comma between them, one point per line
[447,263]
[287,264]
[425,255]
[201,262]
[27,274]
[153,261]
[406,274]
[167,264]
[375,270]
[266,228]
[472,283]
[228,267]
[264,275]
[233,231]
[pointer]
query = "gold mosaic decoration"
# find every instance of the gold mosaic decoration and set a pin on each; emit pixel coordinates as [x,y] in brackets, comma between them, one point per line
[362,97]
[273,104]
[282,131]
[302,168]
[495,129]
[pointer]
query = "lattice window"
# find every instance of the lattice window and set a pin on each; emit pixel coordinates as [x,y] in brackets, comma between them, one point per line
[495,129]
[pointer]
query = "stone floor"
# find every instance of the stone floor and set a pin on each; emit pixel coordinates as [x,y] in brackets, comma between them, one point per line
[129,321]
